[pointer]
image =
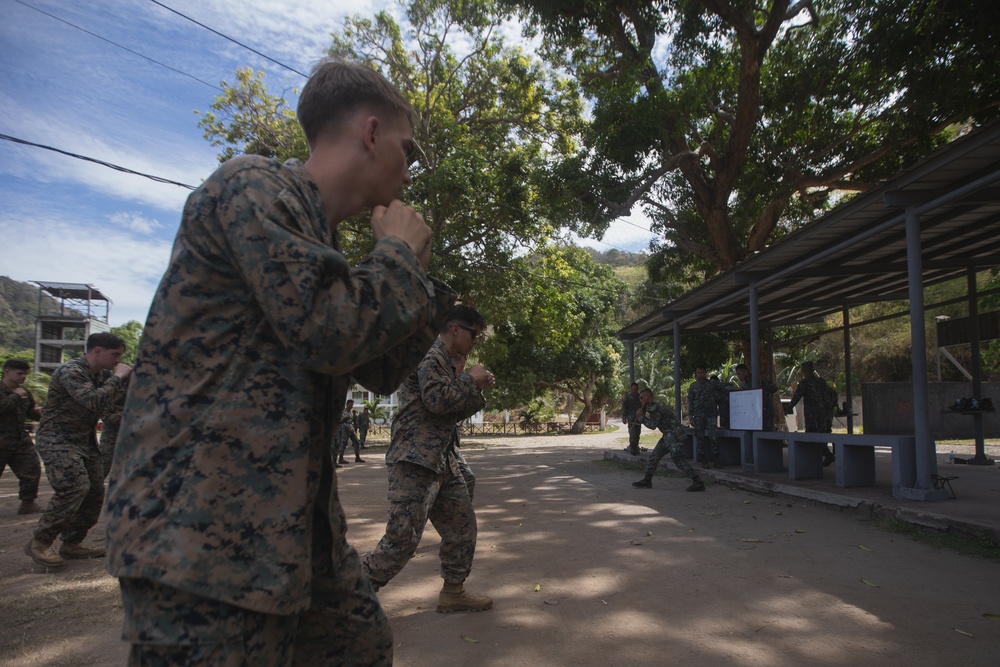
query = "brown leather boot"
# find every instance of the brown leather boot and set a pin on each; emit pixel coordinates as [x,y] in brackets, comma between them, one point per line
[454,598]
[29,507]
[43,554]
[76,551]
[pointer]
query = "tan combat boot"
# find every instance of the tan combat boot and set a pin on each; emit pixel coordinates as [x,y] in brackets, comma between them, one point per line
[76,551]
[454,598]
[43,554]
[29,507]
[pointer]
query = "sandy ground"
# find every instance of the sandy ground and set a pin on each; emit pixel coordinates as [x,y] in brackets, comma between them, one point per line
[586,570]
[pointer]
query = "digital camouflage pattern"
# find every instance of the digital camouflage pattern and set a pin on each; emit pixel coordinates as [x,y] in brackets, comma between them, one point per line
[630,406]
[425,480]
[418,495]
[347,432]
[818,399]
[223,466]
[110,425]
[703,410]
[363,422]
[659,417]
[344,626]
[16,447]
[67,442]
[431,402]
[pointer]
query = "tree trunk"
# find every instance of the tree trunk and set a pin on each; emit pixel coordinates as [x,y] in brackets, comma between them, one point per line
[581,421]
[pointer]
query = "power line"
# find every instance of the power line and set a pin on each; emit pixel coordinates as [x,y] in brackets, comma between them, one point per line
[124,48]
[213,30]
[109,165]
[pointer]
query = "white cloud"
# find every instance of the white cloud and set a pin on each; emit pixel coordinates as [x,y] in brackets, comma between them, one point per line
[136,222]
[123,267]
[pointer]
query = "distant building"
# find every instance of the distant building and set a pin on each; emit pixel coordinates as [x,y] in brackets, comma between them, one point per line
[61,333]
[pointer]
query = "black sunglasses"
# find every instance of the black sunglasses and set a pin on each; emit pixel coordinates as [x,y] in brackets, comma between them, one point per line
[474,332]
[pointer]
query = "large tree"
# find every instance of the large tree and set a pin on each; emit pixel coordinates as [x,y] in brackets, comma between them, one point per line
[554,329]
[732,121]
[490,120]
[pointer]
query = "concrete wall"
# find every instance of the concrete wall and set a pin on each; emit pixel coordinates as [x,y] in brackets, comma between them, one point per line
[888,409]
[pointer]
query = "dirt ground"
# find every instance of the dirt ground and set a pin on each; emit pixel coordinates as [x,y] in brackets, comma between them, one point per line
[586,570]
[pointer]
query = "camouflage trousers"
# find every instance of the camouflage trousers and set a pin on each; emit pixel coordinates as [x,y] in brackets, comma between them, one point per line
[23,462]
[362,435]
[674,448]
[345,434]
[109,436]
[634,432]
[344,625]
[467,474]
[416,495]
[78,481]
[705,429]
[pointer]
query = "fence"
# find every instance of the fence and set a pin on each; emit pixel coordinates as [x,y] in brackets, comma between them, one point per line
[382,432]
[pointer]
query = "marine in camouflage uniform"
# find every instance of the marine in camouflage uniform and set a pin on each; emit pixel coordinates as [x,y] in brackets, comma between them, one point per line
[225,527]
[80,391]
[656,415]
[363,422]
[814,393]
[347,432]
[425,479]
[703,410]
[16,448]
[630,406]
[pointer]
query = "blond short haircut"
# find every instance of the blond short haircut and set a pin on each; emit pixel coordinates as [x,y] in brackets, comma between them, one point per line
[337,88]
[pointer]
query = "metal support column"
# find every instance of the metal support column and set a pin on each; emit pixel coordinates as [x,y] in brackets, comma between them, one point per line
[631,363]
[847,369]
[754,338]
[677,369]
[926,458]
[977,371]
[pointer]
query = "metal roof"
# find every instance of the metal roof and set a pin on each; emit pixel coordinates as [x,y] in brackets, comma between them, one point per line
[856,254]
[80,291]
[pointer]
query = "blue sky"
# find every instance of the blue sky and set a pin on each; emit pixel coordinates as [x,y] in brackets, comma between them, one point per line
[64,219]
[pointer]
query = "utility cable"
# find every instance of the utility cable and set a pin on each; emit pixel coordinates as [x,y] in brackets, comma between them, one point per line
[124,48]
[109,165]
[224,36]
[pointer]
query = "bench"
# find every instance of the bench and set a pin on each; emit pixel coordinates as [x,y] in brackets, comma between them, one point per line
[734,446]
[855,464]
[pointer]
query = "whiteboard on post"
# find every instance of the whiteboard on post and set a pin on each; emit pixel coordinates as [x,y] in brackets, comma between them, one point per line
[746,410]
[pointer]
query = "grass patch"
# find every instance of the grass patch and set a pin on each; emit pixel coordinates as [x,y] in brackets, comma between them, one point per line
[983,546]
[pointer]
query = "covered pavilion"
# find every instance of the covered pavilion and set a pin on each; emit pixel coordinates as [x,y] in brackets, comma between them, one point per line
[936,221]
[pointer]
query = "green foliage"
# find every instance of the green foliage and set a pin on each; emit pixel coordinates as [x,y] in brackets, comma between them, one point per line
[732,122]
[554,329]
[490,121]
[130,332]
[247,120]
[376,411]
[18,308]
[536,412]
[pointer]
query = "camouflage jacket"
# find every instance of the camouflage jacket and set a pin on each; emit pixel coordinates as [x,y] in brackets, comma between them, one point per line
[704,397]
[254,335]
[347,421]
[814,393]
[14,412]
[660,417]
[630,405]
[77,398]
[431,401]
[363,421]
